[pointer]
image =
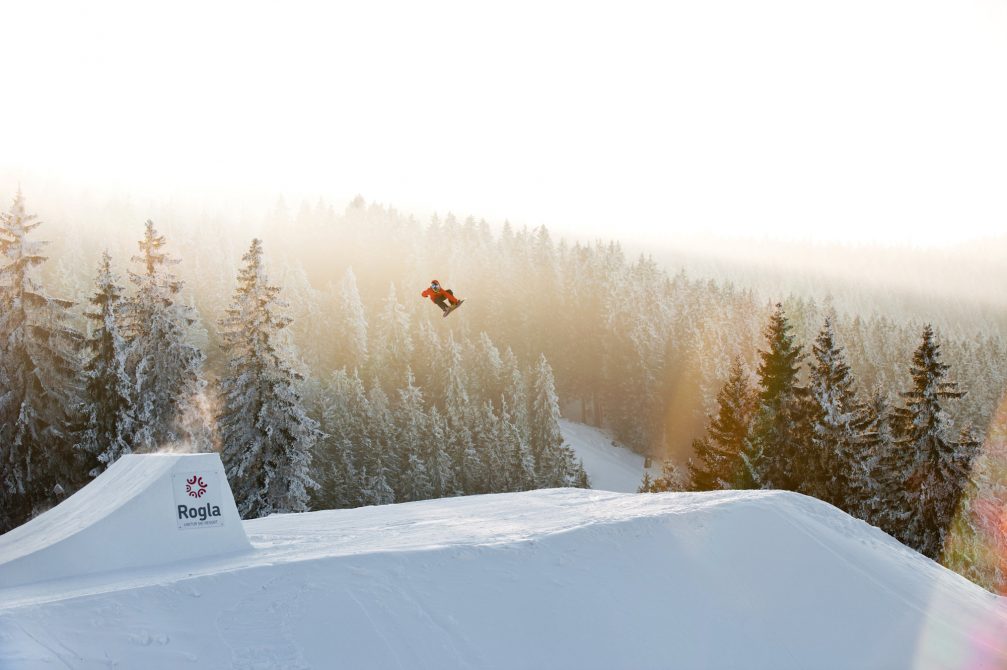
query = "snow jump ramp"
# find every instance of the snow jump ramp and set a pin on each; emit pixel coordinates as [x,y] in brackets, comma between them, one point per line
[144,510]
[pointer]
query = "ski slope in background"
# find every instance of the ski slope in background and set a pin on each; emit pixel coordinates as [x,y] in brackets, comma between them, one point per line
[559,578]
[609,467]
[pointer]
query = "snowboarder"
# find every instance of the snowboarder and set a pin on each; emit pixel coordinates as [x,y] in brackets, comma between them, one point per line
[440,296]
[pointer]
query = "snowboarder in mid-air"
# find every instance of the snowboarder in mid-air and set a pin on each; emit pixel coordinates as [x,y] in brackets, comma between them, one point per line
[441,296]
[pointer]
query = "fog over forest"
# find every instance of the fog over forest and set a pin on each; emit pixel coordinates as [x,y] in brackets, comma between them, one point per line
[310,244]
[391,402]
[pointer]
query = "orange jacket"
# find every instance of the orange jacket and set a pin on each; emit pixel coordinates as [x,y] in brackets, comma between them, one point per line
[442,294]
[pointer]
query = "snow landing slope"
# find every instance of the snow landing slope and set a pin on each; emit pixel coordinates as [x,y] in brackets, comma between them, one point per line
[557,578]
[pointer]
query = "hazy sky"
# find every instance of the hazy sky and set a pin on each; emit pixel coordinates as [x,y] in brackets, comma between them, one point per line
[848,119]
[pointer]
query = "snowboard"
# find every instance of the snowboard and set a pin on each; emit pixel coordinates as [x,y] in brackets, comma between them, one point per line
[453,307]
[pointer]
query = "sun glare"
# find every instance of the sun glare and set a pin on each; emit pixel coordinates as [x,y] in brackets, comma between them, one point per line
[861,121]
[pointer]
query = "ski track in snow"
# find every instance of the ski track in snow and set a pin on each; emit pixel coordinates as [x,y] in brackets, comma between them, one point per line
[255,629]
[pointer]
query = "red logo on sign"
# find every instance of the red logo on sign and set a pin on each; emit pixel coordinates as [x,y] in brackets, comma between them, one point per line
[195,486]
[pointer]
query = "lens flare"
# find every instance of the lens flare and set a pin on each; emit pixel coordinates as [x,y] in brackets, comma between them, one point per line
[977,544]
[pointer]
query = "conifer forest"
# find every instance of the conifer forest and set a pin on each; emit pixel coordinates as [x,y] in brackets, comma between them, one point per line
[302,351]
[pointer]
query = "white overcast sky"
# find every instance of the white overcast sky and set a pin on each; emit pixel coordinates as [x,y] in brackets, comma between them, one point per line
[851,120]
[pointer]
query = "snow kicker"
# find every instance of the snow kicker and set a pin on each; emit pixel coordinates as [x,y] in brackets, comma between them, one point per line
[145,510]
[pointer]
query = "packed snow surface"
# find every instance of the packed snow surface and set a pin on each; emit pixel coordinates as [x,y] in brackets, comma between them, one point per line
[609,467]
[558,578]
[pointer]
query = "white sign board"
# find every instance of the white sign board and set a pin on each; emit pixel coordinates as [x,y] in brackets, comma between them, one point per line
[197,499]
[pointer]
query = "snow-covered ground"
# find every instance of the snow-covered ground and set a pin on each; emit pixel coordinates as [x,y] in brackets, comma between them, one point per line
[558,578]
[609,467]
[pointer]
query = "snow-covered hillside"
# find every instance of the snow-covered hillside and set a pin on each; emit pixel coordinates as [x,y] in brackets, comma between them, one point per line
[558,578]
[609,467]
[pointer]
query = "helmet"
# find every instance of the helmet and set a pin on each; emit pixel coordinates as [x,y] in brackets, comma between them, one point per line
[434,281]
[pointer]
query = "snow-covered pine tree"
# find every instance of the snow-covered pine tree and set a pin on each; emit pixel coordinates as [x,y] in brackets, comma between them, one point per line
[520,464]
[749,474]
[411,479]
[717,463]
[312,319]
[492,368]
[488,438]
[485,368]
[266,437]
[166,369]
[516,394]
[461,419]
[646,484]
[545,437]
[470,468]
[838,467]
[941,465]
[107,406]
[673,478]
[350,324]
[780,432]
[884,471]
[891,505]
[376,464]
[344,421]
[428,368]
[39,365]
[554,460]
[435,455]
[394,345]
[634,355]
[341,488]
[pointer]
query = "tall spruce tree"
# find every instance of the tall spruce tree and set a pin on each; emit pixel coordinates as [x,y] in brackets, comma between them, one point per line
[554,460]
[411,479]
[520,464]
[543,421]
[108,393]
[350,336]
[876,499]
[485,368]
[266,436]
[377,464]
[165,367]
[440,469]
[717,464]
[940,464]
[394,350]
[839,461]
[488,436]
[893,505]
[344,413]
[38,373]
[779,451]
[516,394]
[461,420]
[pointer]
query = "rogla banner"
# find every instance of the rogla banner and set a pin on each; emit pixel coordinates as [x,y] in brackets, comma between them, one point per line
[197,499]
